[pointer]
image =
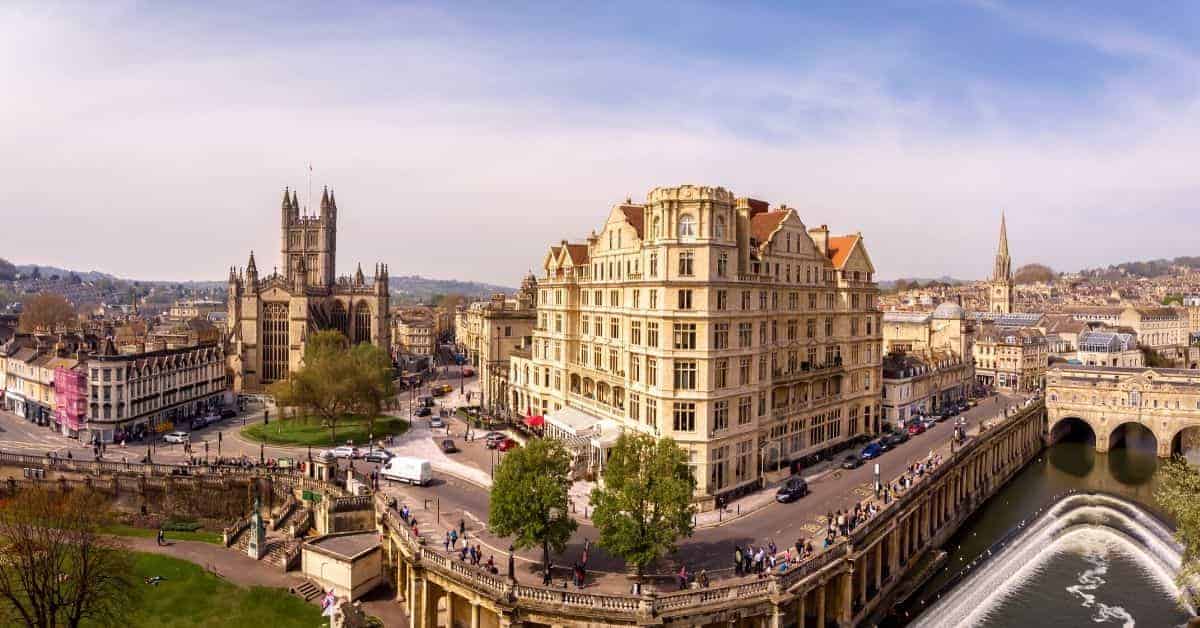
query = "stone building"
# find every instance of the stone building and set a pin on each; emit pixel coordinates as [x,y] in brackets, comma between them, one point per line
[1163,329]
[1106,348]
[413,332]
[270,318]
[1000,289]
[748,337]
[929,361]
[148,393]
[491,333]
[1011,359]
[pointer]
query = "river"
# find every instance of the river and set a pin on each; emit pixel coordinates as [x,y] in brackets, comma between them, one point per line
[1092,567]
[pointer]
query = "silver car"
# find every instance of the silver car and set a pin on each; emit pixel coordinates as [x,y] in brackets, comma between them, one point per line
[176,437]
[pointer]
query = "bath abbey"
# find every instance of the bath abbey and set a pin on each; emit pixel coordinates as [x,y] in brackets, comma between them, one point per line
[271,316]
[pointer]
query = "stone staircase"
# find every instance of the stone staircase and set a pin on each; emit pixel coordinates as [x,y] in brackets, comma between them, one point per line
[306,591]
[278,547]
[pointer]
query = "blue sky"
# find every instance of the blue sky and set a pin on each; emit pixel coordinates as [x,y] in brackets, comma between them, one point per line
[152,139]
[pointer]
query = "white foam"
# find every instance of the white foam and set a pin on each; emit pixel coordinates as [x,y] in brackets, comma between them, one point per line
[1092,525]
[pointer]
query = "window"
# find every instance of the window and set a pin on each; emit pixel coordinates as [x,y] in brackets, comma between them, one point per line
[654,299]
[687,261]
[745,334]
[722,373]
[792,329]
[685,299]
[599,297]
[635,406]
[635,368]
[585,324]
[744,410]
[652,412]
[722,300]
[651,372]
[722,264]
[685,335]
[684,416]
[745,299]
[558,320]
[614,328]
[720,415]
[762,299]
[687,226]
[637,298]
[744,371]
[828,327]
[654,261]
[685,374]
[719,230]
[635,332]
[721,336]
[652,334]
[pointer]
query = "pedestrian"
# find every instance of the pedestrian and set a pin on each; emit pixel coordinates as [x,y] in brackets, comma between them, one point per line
[703,579]
[162,538]
[737,560]
[683,577]
[462,527]
[446,542]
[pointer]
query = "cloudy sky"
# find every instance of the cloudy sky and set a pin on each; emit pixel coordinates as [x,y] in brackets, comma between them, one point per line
[153,140]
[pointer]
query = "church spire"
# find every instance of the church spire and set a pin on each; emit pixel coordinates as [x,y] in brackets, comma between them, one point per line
[1003,269]
[324,200]
[250,267]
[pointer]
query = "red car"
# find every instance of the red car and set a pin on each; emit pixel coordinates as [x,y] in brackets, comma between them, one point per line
[507,444]
[916,427]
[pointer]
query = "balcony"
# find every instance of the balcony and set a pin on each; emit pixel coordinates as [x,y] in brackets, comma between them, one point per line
[807,371]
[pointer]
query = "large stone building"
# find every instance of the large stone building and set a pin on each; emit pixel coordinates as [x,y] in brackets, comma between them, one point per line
[1106,348]
[733,328]
[270,318]
[413,332]
[929,361]
[491,332]
[1001,289]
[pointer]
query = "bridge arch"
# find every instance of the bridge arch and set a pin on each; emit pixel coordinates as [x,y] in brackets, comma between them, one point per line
[1186,443]
[1133,435]
[1074,428]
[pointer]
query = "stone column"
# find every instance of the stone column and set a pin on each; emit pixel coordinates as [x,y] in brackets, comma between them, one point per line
[775,619]
[893,554]
[449,597]
[474,615]
[821,605]
[421,616]
[800,610]
[878,566]
[846,613]
[862,579]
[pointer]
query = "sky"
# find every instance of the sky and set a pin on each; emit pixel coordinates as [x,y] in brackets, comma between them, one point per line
[153,140]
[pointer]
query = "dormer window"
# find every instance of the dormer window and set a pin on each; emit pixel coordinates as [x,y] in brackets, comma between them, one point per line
[687,226]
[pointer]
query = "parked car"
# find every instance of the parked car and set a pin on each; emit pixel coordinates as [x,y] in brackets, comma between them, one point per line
[897,438]
[494,438]
[426,401]
[884,445]
[424,411]
[408,469]
[448,446]
[468,371]
[378,455]
[928,422]
[228,413]
[507,444]
[438,392]
[916,427]
[437,422]
[176,437]
[871,451]
[851,461]
[446,389]
[794,488]
[344,451]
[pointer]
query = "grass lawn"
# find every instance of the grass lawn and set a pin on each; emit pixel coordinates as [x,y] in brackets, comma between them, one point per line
[191,596]
[120,529]
[304,431]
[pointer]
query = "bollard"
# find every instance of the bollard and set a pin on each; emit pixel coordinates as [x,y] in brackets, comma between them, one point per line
[739,510]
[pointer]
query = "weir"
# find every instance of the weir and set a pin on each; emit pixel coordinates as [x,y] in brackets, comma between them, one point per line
[854,582]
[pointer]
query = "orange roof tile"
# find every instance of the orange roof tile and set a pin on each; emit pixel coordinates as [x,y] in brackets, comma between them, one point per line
[764,224]
[839,249]
[635,216]
[578,253]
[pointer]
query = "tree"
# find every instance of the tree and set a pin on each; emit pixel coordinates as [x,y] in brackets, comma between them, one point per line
[58,568]
[529,498]
[325,385]
[45,312]
[373,383]
[1177,490]
[1033,273]
[645,502]
[8,272]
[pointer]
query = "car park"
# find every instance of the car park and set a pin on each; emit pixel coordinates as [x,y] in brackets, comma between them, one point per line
[851,461]
[176,437]
[871,451]
[794,488]
[448,446]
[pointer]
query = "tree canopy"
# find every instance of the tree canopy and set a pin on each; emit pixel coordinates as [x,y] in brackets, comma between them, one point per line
[337,379]
[1177,492]
[1033,273]
[529,500]
[8,271]
[645,502]
[46,311]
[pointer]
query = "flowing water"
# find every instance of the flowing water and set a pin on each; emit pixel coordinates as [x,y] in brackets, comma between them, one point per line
[1101,556]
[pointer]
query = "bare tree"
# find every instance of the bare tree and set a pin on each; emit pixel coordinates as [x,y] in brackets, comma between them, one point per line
[46,312]
[57,568]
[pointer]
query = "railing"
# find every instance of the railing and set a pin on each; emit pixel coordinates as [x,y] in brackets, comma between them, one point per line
[345,504]
[288,507]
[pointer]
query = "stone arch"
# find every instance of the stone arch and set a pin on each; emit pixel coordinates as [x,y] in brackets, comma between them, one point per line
[1074,428]
[1186,443]
[1132,434]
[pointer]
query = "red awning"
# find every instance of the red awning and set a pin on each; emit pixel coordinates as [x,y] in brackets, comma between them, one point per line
[535,421]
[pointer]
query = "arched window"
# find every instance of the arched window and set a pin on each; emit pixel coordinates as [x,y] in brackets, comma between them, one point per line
[687,226]
[362,322]
[340,319]
[275,342]
[656,232]
[719,231]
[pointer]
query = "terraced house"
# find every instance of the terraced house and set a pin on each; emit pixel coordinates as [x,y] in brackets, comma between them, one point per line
[729,326]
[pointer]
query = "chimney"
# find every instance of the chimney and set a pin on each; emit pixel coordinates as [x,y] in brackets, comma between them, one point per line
[820,236]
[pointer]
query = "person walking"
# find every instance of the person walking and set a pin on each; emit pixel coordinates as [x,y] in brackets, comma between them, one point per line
[737,560]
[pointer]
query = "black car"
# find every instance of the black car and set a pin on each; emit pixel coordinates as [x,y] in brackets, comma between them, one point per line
[884,445]
[377,455]
[424,411]
[794,488]
[897,438]
[228,413]
[851,461]
[448,446]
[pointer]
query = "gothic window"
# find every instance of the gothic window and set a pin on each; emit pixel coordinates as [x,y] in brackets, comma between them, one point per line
[362,322]
[341,319]
[275,342]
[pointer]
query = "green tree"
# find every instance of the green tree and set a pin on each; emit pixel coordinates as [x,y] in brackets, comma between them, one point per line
[8,272]
[1177,492]
[326,385]
[372,383]
[645,501]
[529,498]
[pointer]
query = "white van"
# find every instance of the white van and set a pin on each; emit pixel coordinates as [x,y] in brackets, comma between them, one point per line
[407,469]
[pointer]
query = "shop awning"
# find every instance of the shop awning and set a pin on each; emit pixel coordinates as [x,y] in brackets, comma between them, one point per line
[535,421]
